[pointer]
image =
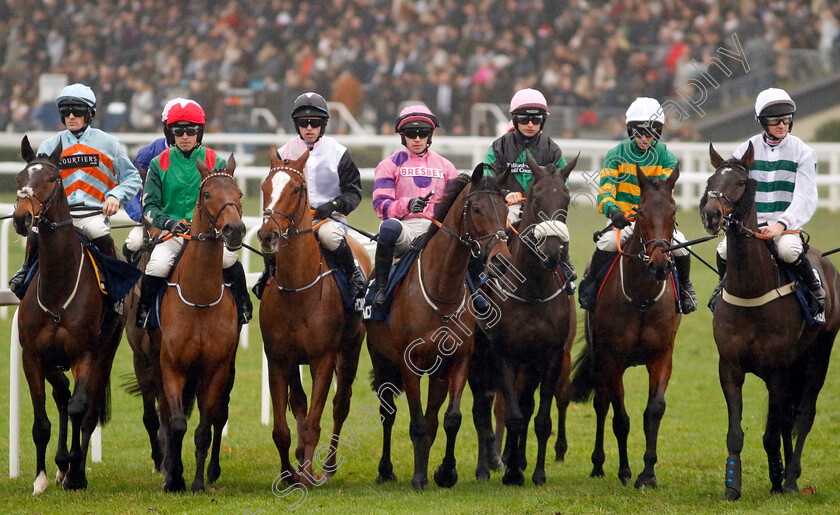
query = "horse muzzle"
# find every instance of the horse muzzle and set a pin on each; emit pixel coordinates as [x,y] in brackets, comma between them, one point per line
[712,218]
[22,222]
[233,234]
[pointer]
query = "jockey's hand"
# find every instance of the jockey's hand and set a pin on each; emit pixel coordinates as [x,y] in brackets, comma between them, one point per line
[176,226]
[619,221]
[771,231]
[324,211]
[514,197]
[111,206]
[417,204]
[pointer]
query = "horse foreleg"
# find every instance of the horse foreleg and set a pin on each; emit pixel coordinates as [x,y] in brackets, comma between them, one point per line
[416,428]
[278,386]
[481,411]
[41,426]
[495,459]
[298,402]
[731,382]
[601,405]
[542,422]
[212,406]
[526,406]
[621,425]
[61,396]
[173,384]
[513,426]
[79,409]
[659,373]
[446,475]
[779,421]
[214,469]
[322,373]
[348,363]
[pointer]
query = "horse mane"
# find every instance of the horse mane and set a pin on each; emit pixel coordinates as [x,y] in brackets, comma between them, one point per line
[747,200]
[453,189]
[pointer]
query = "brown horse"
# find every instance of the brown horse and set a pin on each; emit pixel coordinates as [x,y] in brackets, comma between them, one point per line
[769,339]
[303,321]
[431,328]
[63,323]
[199,334]
[526,339]
[634,323]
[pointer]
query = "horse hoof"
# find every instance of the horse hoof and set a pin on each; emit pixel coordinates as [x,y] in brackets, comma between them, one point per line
[41,483]
[59,476]
[74,484]
[513,478]
[197,486]
[213,473]
[385,478]
[174,485]
[495,462]
[645,482]
[482,474]
[597,472]
[732,494]
[560,457]
[445,478]
[418,484]
[538,479]
[624,481]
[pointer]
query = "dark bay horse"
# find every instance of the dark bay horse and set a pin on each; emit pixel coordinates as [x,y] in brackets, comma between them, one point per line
[634,323]
[303,321]
[63,323]
[769,339]
[526,340]
[199,334]
[431,330]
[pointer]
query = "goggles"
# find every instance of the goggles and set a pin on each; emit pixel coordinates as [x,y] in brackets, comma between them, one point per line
[523,119]
[77,111]
[309,122]
[190,130]
[772,121]
[417,133]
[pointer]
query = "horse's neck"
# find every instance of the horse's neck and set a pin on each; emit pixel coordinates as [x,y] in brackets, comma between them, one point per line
[199,271]
[538,279]
[444,261]
[749,264]
[299,262]
[634,269]
[55,247]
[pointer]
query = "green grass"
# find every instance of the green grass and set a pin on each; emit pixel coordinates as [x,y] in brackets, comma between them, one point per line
[692,447]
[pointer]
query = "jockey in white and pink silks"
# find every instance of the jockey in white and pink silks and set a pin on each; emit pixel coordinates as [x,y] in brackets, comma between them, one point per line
[404,186]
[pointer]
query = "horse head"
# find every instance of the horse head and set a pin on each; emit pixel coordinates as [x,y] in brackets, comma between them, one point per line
[482,224]
[655,220]
[729,191]
[39,185]
[545,210]
[218,192]
[285,201]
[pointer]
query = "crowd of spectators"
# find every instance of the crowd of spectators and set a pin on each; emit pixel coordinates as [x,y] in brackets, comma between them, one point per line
[372,55]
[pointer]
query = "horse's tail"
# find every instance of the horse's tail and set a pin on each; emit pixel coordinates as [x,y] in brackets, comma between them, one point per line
[188,394]
[104,408]
[384,372]
[582,386]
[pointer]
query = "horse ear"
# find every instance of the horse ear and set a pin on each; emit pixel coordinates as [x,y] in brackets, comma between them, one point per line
[301,161]
[502,179]
[749,156]
[478,173]
[567,170]
[231,165]
[202,168]
[273,158]
[26,151]
[675,174]
[714,157]
[55,157]
[642,179]
[536,170]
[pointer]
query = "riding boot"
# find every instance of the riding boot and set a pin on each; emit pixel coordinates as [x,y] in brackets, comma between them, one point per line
[17,280]
[568,272]
[235,276]
[267,273]
[809,277]
[688,299]
[131,257]
[382,267]
[588,291]
[343,254]
[105,245]
[150,285]
[721,264]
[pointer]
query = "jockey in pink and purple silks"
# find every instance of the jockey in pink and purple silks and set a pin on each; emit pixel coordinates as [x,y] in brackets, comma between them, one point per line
[405,185]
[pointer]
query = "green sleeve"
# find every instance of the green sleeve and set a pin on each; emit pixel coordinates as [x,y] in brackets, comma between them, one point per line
[491,163]
[153,195]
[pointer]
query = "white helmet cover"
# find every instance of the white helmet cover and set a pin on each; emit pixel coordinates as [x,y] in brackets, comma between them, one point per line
[773,96]
[645,109]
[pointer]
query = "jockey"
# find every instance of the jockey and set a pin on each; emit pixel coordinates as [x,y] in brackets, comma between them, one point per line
[333,183]
[618,196]
[404,188]
[134,207]
[528,111]
[171,192]
[95,171]
[785,169]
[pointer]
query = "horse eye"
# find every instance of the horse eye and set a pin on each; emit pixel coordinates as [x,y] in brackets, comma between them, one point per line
[475,209]
[205,195]
[297,190]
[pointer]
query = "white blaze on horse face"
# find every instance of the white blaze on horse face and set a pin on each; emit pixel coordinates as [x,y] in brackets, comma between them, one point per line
[278,184]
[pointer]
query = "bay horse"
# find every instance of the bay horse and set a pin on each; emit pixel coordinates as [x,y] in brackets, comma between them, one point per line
[431,329]
[527,340]
[768,339]
[63,323]
[635,323]
[199,334]
[303,321]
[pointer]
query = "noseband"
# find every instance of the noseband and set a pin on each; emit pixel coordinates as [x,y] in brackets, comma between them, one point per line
[726,220]
[477,248]
[269,212]
[214,233]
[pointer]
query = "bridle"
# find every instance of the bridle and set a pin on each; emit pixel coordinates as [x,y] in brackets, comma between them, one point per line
[269,212]
[40,219]
[477,248]
[730,219]
[214,233]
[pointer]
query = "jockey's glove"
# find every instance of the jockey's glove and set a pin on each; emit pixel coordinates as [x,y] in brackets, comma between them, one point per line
[324,211]
[417,204]
[176,226]
[619,221]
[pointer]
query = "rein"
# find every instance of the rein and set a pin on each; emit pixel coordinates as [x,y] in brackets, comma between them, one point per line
[214,232]
[57,316]
[444,318]
[41,219]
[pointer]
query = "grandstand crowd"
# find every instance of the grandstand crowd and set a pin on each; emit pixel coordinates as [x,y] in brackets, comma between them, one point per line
[372,55]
